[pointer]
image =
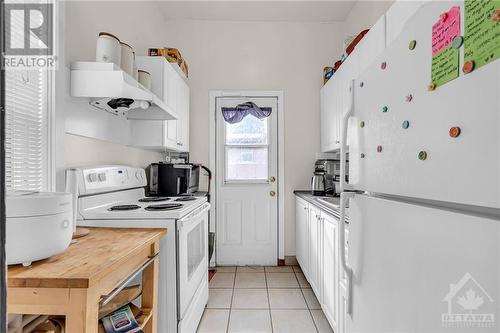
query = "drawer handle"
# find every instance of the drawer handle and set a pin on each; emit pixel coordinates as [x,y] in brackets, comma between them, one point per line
[105,299]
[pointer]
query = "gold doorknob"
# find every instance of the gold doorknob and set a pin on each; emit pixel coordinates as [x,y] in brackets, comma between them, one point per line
[272,179]
[272,193]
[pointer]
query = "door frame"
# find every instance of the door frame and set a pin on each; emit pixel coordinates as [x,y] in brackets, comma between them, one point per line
[213,94]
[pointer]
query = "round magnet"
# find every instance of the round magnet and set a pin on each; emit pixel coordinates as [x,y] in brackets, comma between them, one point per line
[405,124]
[383,65]
[468,66]
[455,131]
[422,155]
[362,155]
[409,97]
[495,17]
[361,84]
[457,42]
[379,149]
[431,87]
[385,109]
[412,44]
[362,124]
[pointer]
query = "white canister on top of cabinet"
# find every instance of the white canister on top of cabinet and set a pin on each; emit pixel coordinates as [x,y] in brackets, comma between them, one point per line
[135,70]
[144,78]
[127,58]
[108,48]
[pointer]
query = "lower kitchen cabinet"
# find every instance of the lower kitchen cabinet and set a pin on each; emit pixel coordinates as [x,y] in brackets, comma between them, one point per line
[302,233]
[315,221]
[317,251]
[330,269]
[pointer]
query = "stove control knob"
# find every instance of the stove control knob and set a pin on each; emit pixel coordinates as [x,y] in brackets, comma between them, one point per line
[102,177]
[138,175]
[92,177]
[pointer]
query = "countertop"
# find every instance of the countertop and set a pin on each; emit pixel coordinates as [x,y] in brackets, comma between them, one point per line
[84,262]
[314,200]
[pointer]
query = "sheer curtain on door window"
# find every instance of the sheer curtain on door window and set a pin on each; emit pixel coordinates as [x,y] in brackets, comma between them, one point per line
[27,126]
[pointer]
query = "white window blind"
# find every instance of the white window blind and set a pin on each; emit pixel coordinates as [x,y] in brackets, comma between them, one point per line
[27,122]
[27,106]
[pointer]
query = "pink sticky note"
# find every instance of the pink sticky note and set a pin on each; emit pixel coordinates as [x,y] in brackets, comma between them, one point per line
[447,28]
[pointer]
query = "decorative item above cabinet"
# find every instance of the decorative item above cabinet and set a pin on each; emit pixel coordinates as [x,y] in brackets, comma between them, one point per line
[113,90]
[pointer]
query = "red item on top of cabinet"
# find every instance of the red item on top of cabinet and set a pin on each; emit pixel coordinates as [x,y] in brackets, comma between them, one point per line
[356,40]
[337,64]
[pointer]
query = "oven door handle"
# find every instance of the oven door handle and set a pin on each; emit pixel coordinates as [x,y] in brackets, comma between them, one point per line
[191,217]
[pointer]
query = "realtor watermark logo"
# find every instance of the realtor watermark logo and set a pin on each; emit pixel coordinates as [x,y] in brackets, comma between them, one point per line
[29,35]
[469,305]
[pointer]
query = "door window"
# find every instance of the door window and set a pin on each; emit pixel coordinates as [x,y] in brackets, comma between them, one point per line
[246,150]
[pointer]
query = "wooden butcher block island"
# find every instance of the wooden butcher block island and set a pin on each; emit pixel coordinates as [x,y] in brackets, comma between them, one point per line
[91,271]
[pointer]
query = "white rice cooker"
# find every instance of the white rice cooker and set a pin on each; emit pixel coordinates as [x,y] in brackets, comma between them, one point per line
[39,225]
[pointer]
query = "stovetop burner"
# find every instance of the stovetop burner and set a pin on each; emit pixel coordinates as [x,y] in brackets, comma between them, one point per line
[154,199]
[124,207]
[187,198]
[168,206]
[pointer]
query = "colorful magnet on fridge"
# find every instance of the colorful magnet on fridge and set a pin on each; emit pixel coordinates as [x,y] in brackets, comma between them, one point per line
[422,155]
[385,109]
[431,86]
[455,132]
[406,124]
[409,97]
[468,66]
[457,42]
[383,65]
[362,124]
[412,44]
[495,17]
[379,149]
[362,155]
[361,84]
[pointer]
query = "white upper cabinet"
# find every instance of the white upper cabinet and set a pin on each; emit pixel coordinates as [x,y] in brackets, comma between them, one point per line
[170,87]
[335,94]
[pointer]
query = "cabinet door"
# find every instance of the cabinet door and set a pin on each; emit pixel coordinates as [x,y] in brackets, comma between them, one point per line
[342,308]
[328,95]
[315,250]
[330,269]
[183,112]
[301,233]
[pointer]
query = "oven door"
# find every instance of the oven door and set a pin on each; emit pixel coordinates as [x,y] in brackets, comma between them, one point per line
[192,255]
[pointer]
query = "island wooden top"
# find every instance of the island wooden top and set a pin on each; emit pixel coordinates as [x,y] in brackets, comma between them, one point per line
[84,262]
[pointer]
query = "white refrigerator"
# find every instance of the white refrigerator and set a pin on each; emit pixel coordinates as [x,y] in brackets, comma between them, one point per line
[424,217]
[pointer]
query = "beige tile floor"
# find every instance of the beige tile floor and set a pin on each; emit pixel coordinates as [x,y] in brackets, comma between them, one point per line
[262,299]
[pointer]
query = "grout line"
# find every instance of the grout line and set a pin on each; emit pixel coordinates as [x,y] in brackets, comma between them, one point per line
[269,304]
[231,304]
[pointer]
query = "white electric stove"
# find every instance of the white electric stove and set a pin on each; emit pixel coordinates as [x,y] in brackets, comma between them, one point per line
[114,196]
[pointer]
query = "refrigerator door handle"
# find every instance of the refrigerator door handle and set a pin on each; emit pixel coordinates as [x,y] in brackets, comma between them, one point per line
[344,197]
[343,138]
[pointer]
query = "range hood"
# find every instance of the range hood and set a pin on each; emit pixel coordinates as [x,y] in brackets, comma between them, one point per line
[111,89]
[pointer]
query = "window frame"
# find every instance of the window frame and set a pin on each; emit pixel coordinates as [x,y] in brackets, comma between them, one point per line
[226,146]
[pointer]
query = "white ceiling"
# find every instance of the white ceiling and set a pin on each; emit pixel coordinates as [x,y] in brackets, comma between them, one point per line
[257,10]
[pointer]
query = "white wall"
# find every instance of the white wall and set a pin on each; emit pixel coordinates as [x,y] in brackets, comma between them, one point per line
[261,56]
[364,14]
[138,24]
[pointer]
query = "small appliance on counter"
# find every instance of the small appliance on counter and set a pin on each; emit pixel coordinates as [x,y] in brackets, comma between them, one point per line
[173,179]
[325,181]
[39,225]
